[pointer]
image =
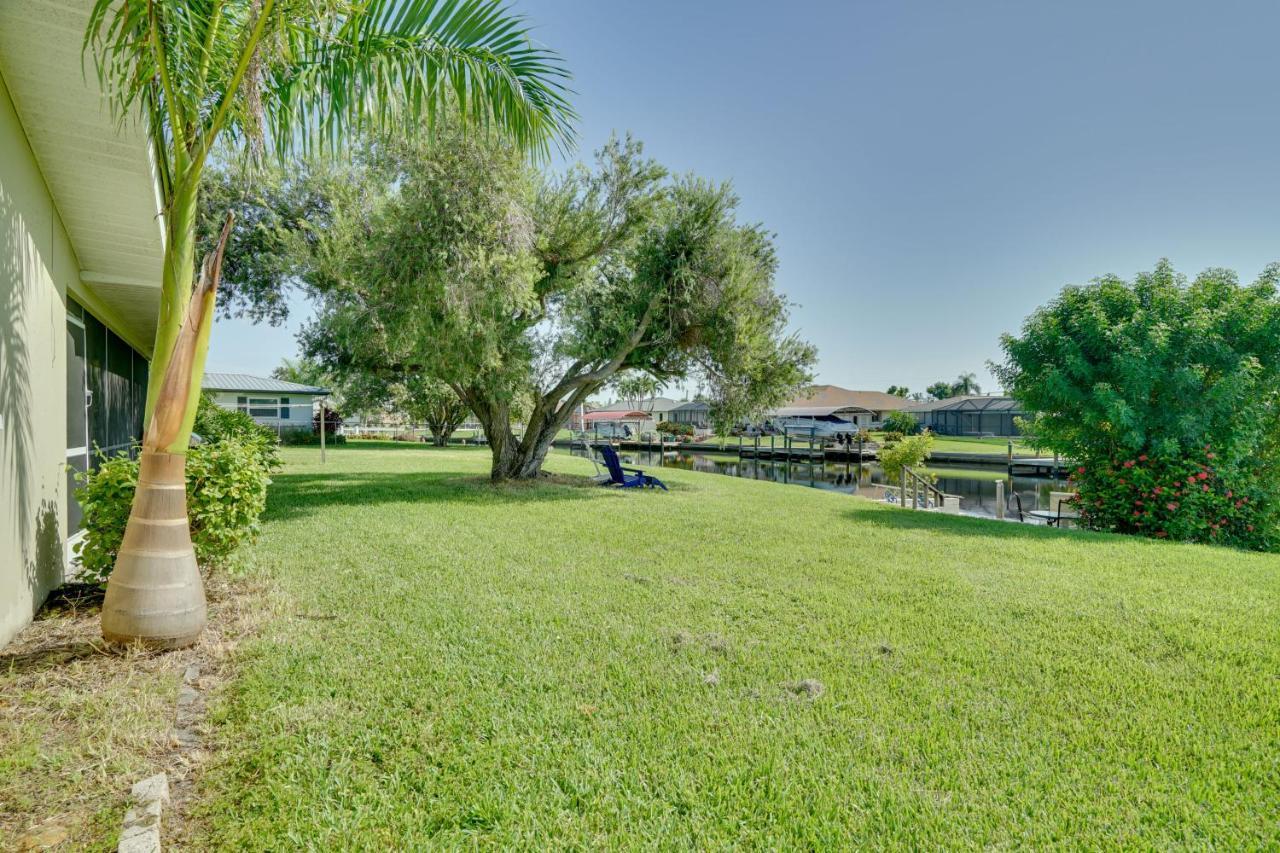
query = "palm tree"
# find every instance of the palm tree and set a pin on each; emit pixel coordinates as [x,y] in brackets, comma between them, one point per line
[965,384]
[278,76]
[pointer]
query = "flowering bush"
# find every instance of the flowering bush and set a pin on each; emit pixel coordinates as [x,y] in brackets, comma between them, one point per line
[1165,393]
[1172,497]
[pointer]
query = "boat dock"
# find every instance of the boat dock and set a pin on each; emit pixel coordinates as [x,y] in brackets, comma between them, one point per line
[780,448]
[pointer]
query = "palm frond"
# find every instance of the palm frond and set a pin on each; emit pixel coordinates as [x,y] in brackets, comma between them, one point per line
[390,64]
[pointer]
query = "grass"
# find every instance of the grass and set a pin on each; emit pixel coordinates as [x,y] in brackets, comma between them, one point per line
[730,664]
[80,722]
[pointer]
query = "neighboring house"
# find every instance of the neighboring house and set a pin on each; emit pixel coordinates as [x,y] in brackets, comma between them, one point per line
[273,403]
[973,414]
[696,413]
[651,410]
[831,402]
[81,248]
[617,423]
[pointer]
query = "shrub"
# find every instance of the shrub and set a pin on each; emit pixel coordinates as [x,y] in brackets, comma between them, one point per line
[907,452]
[214,423]
[1171,497]
[901,422]
[675,429]
[332,422]
[1163,393]
[226,494]
[302,438]
[890,438]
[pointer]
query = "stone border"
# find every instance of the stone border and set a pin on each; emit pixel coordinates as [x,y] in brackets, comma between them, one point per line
[141,833]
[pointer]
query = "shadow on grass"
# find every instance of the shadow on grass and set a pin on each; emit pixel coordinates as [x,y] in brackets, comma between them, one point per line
[297,495]
[960,525]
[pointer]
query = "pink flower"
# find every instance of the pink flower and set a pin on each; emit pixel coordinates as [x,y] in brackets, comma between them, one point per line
[1204,475]
[1210,456]
[1128,463]
[1205,487]
[1080,470]
[1158,489]
[1171,505]
[1228,493]
[1142,458]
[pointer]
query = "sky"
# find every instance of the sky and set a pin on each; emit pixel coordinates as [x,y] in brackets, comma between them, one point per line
[933,171]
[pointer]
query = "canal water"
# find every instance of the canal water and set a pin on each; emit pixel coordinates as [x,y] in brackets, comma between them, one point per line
[976,487]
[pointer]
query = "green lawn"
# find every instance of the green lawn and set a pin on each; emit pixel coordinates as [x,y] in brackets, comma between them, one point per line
[733,662]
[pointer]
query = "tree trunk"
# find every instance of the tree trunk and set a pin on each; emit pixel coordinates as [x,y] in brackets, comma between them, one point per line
[155,593]
[523,460]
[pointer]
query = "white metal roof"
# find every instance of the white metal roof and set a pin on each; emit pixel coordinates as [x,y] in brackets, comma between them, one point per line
[245,382]
[99,175]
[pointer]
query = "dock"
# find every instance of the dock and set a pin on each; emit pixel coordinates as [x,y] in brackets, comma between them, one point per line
[782,448]
[1039,466]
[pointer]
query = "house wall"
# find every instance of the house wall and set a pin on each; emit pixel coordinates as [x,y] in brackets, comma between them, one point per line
[37,266]
[301,408]
[39,279]
[699,418]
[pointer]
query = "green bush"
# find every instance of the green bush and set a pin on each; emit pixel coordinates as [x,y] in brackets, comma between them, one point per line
[673,428]
[903,422]
[908,452]
[226,494]
[1162,393]
[214,423]
[302,438]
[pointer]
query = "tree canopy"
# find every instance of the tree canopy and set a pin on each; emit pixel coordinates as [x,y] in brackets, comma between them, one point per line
[1165,394]
[526,293]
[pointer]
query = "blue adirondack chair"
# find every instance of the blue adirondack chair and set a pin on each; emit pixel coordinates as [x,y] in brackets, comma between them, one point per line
[618,475]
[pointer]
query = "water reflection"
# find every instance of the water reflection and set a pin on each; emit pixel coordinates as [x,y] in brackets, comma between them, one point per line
[975,487]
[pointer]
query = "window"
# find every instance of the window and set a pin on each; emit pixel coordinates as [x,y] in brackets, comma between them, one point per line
[264,407]
[284,408]
[106,394]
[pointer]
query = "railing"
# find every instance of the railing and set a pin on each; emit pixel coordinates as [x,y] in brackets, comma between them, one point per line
[924,494]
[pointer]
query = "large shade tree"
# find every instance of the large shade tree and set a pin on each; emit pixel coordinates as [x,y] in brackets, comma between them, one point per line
[526,294]
[229,76]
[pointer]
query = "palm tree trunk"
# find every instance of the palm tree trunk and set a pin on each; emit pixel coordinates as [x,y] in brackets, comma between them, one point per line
[154,594]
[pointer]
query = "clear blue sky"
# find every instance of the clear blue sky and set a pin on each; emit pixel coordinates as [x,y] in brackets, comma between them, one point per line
[935,170]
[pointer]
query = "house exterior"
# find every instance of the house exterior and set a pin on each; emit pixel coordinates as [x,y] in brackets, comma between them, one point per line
[974,414]
[273,403]
[831,402]
[81,247]
[642,415]
[696,413]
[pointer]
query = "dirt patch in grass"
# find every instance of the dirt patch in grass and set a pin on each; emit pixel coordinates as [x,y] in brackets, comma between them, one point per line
[81,721]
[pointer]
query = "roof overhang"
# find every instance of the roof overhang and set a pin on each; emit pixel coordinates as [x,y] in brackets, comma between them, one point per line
[101,176]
